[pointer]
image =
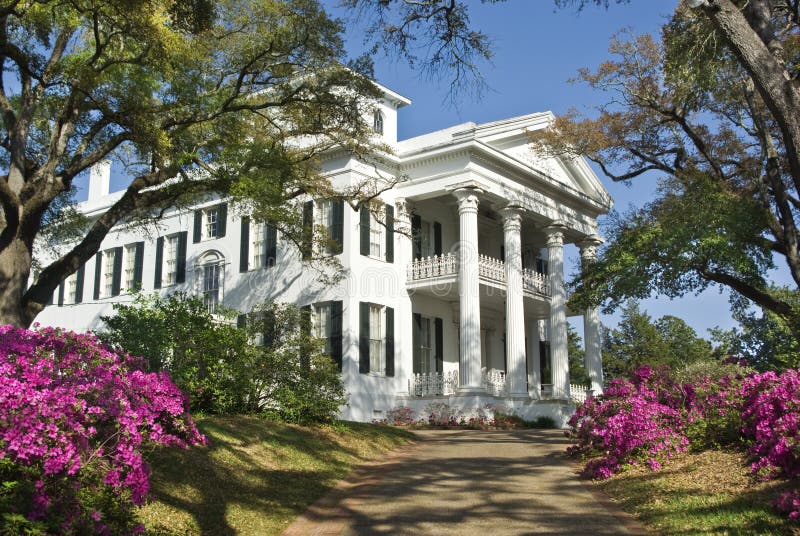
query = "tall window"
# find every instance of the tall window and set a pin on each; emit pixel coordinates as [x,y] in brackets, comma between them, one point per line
[322,324]
[72,288]
[377,359]
[170,259]
[376,239]
[323,217]
[426,237]
[425,358]
[259,247]
[130,266]
[377,122]
[211,272]
[109,256]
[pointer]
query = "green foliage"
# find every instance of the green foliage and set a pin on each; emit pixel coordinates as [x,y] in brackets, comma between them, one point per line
[638,341]
[291,378]
[274,367]
[207,359]
[577,359]
[763,338]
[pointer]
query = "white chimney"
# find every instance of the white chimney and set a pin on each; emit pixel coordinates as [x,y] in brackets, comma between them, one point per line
[99,179]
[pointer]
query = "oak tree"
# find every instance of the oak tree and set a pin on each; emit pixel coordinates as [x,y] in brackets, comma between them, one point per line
[191,97]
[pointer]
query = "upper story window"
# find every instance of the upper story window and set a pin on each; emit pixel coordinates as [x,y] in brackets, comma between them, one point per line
[109,262]
[427,237]
[170,259]
[72,288]
[130,267]
[323,227]
[377,232]
[377,122]
[323,324]
[210,222]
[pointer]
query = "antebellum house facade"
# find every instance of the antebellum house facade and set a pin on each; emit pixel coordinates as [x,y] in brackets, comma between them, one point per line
[454,293]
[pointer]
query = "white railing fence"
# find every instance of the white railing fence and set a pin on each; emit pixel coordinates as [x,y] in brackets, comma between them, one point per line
[491,268]
[578,393]
[430,267]
[433,383]
[494,381]
[535,281]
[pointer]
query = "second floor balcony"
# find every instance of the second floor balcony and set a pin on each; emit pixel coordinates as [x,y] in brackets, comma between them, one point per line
[442,270]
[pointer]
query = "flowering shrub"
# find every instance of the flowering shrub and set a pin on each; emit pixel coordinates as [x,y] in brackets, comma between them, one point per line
[788,503]
[403,416]
[771,417]
[627,425]
[74,418]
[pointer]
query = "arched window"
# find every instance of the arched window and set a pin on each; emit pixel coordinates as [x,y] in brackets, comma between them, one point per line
[377,122]
[210,273]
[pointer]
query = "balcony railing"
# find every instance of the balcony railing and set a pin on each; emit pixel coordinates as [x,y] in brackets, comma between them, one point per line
[433,383]
[432,267]
[494,381]
[534,281]
[489,269]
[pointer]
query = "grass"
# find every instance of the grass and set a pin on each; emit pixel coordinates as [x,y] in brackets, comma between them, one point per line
[710,492]
[255,476]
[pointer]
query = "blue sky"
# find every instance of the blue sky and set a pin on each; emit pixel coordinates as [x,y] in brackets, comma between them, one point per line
[537,50]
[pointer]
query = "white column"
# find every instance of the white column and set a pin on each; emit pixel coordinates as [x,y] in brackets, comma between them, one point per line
[591,323]
[534,386]
[469,292]
[558,311]
[404,351]
[516,375]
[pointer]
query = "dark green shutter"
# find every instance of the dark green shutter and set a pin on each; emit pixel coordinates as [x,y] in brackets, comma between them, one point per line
[364,229]
[79,277]
[138,265]
[416,235]
[271,246]
[389,233]
[438,343]
[244,246]
[307,238]
[241,321]
[337,225]
[180,275]
[269,325]
[61,294]
[198,226]
[437,238]
[416,335]
[116,274]
[159,261]
[98,273]
[222,219]
[336,333]
[389,341]
[305,328]
[363,337]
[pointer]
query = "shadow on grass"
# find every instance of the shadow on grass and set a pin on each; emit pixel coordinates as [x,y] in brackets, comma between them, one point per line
[698,498]
[255,475]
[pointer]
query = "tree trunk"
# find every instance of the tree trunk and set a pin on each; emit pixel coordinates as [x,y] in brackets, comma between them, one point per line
[15,267]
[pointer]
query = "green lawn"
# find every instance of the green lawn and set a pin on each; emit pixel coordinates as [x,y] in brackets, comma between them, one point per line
[704,493]
[255,476]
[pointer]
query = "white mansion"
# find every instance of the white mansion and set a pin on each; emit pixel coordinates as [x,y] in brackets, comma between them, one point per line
[469,308]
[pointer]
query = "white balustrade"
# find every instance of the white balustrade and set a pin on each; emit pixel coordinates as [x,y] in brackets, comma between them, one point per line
[491,269]
[494,381]
[430,267]
[433,383]
[535,282]
[578,393]
[488,267]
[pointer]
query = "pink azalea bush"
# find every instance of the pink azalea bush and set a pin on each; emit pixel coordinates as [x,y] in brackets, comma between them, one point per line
[629,424]
[74,419]
[651,417]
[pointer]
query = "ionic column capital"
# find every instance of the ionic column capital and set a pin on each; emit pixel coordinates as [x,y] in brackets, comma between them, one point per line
[467,200]
[403,208]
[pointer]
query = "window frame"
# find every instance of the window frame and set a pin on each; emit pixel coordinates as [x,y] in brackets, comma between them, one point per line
[211,260]
[377,122]
[377,311]
[109,258]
